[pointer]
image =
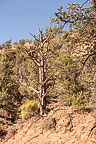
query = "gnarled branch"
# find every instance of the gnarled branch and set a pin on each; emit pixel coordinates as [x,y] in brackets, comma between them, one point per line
[94,53]
[84,3]
[36,91]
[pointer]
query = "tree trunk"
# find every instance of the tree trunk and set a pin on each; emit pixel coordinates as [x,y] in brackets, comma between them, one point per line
[42,89]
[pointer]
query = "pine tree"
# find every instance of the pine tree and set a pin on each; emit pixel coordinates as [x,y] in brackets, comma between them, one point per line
[81,42]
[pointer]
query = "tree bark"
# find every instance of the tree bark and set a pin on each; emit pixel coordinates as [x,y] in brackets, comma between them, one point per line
[42,88]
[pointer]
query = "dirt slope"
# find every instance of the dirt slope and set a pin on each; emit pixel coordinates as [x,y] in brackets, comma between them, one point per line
[31,132]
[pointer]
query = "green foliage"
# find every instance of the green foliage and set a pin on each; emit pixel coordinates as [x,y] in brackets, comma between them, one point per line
[26,72]
[76,15]
[81,101]
[10,97]
[76,67]
[72,89]
[29,108]
[67,77]
[15,68]
[22,42]
[77,84]
[7,44]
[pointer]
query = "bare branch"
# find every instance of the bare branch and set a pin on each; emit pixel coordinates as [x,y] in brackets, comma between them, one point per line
[88,57]
[32,57]
[34,37]
[84,3]
[47,79]
[36,62]
[46,39]
[85,61]
[30,87]
[41,35]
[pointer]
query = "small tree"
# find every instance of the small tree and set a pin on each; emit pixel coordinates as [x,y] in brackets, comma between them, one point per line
[7,44]
[10,97]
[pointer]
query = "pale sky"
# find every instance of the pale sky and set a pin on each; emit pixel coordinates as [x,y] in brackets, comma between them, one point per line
[17,17]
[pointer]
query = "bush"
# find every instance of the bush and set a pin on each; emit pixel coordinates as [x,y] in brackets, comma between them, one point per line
[81,101]
[28,109]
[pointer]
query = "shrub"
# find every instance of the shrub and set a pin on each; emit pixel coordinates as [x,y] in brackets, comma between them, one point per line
[81,101]
[28,109]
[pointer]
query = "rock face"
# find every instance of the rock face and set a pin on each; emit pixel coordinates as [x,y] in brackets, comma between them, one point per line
[49,123]
[31,130]
[11,132]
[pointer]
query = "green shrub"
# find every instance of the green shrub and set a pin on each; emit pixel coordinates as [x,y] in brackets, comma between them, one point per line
[81,101]
[28,108]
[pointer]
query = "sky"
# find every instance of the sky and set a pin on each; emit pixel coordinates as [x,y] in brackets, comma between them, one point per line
[18,17]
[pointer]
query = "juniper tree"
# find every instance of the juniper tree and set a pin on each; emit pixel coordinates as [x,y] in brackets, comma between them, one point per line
[82,21]
[81,40]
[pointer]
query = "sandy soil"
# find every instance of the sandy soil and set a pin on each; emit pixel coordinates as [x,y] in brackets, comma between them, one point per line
[31,131]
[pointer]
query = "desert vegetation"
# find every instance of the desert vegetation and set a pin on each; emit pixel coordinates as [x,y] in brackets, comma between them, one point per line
[58,64]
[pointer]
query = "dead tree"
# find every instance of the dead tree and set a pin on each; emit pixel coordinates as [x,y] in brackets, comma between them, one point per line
[43,80]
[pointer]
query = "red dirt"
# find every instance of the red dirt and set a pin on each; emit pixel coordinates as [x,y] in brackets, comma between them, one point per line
[31,130]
